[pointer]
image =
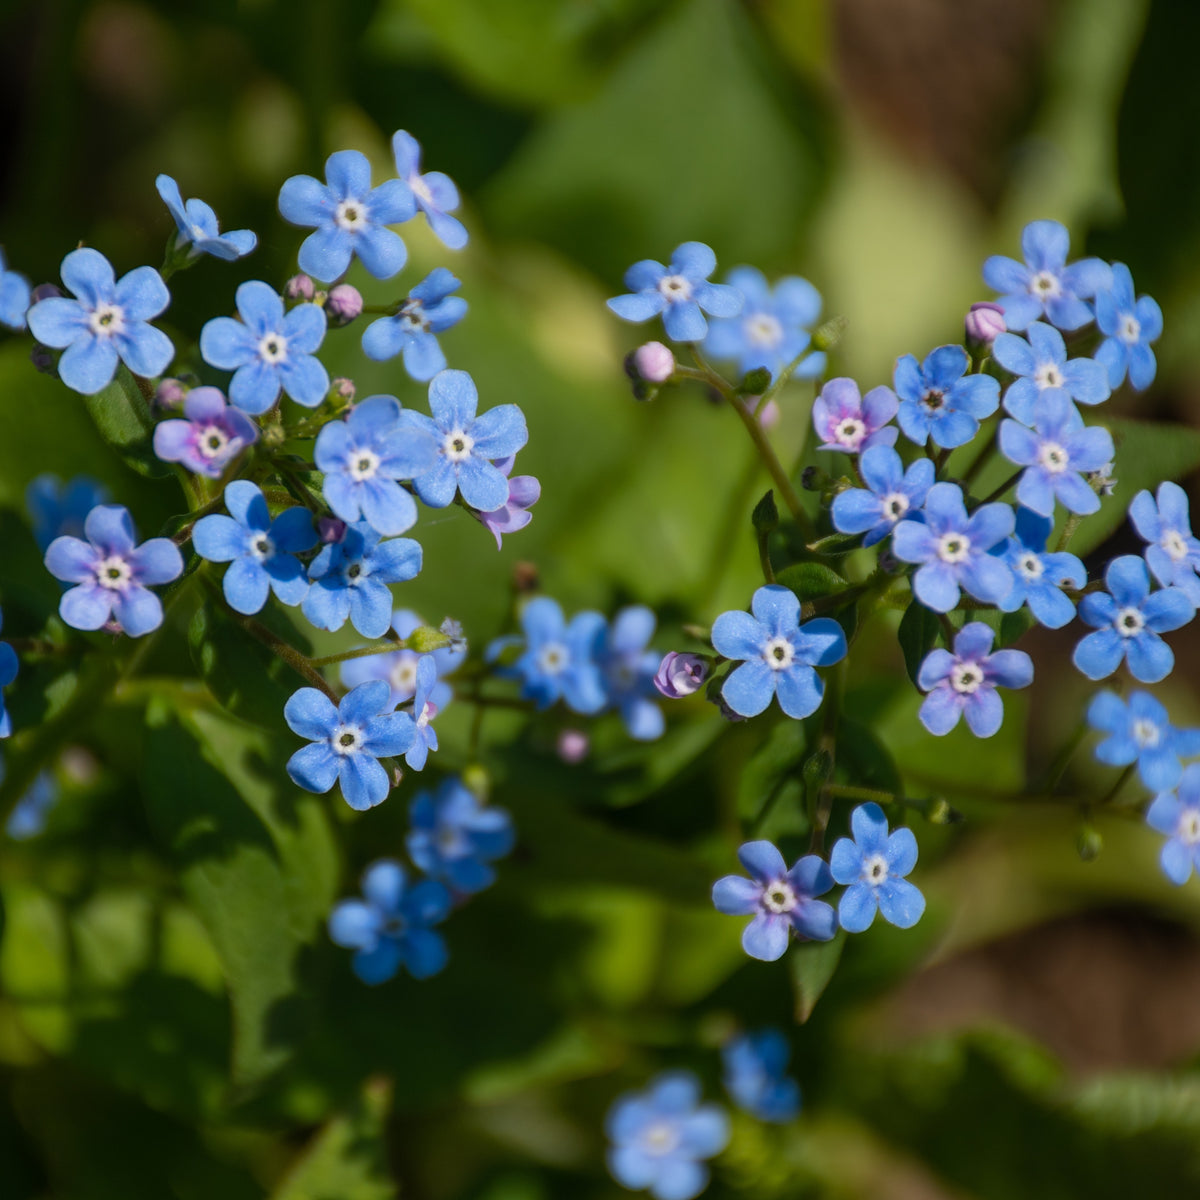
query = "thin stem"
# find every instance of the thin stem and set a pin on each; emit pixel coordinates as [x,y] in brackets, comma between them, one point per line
[330,660]
[1073,523]
[998,492]
[940,462]
[782,378]
[764,558]
[977,463]
[766,807]
[1118,784]
[298,487]
[1059,767]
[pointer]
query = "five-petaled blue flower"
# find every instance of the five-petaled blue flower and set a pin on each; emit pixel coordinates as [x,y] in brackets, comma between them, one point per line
[873,867]
[399,668]
[111,572]
[679,292]
[210,435]
[453,837]
[8,672]
[661,1135]
[1038,576]
[389,927]
[434,193]
[850,422]
[268,351]
[198,227]
[893,494]
[1128,621]
[261,551]
[350,217]
[107,322]
[939,400]
[1141,731]
[1173,552]
[629,669]
[14,296]
[1129,327]
[1177,814]
[781,901]
[755,1075]
[779,654]
[1041,364]
[429,310]
[57,508]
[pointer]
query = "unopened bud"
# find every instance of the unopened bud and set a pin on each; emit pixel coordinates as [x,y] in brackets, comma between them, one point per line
[573,746]
[984,323]
[827,336]
[681,675]
[765,517]
[1089,843]
[170,394]
[343,388]
[42,359]
[755,382]
[653,362]
[299,287]
[330,530]
[525,577]
[476,779]
[813,479]
[44,291]
[941,813]
[425,639]
[343,304]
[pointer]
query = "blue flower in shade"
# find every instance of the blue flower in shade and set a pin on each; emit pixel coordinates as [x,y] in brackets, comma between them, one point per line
[629,669]
[424,710]
[435,193]
[660,1136]
[1129,327]
[939,400]
[57,508]
[8,672]
[14,297]
[111,572]
[389,927]
[1177,814]
[198,227]
[399,668]
[1173,553]
[466,444]
[429,310]
[679,292]
[1140,731]
[106,323]
[347,741]
[268,351]
[782,902]
[964,683]
[211,435]
[350,578]
[953,549]
[1038,576]
[261,552]
[755,1075]
[349,216]
[779,654]
[364,456]
[28,817]
[848,422]
[1044,285]
[1128,621]
[873,866]
[772,329]
[891,494]
[453,837]
[1041,365]
[1054,453]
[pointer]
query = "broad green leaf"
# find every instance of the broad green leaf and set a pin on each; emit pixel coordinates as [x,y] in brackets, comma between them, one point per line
[812,966]
[766,772]
[810,580]
[123,419]
[864,757]
[918,631]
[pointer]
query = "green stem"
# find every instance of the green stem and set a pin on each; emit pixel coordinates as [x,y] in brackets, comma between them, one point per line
[766,807]
[764,558]
[998,492]
[1063,760]
[782,378]
[977,463]
[1073,523]
[330,660]
[299,488]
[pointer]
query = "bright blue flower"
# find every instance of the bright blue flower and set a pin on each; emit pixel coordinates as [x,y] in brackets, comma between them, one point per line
[8,672]
[453,837]
[1177,814]
[466,444]
[779,654]
[399,668]
[210,435]
[1038,576]
[350,217]
[1173,553]
[679,292]
[14,297]
[57,508]
[755,1075]
[261,552]
[198,227]
[1128,621]
[350,578]
[1130,326]
[953,549]
[893,494]
[362,458]
[111,573]
[268,351]
[629,669]
[429,310]
[1042,365]
[781,901]
[1141,732]
[28,817]
[850,422]
[873,867]
[939,400]
[661,1135]
[107,323]
[424,710]
[1044,284]
[389,927]
[435,193]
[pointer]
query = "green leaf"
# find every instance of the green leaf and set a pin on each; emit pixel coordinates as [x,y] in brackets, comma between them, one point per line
[811,579]
[766,771]
[918,631]
[868,762]
[122,417]
[812,967]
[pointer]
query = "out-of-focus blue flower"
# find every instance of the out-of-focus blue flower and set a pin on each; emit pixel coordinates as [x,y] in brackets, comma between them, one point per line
[424,710]
[1041,365]
[1140,731]
[1177,814]
[1173,552]
[846,421]
[629,668]
[454,838]
[211,435]
[57,509]
[891,494]
[429,310]
[873,866]
[28,817]
[756,1078]
[435,193]
[1130,326]
[14,296]
[524,491]
[1038,576]
[8,672]
[198,226]
[399,667]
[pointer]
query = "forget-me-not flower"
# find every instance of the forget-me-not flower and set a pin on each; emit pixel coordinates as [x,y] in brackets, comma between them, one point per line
[454,838]
[1038,575]
[210,435]
[1129,327]
[197,224]
[429,310]
[8,672]
[629,668]
[1041,364]
[524,491]
[1141,731]
[850,422]
[399,667]
[756,1075]
[434,193]
[57,508]
[1177,814]
[891,494]
[873,866]
[1173,552]
[424,710]
[14,296]
[939,400]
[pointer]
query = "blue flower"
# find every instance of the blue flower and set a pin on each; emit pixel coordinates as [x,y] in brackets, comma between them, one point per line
[28,817]
[1178,816]
[849,422]
[953,549]
[261,552]
[435,193]
[1173,553]
[424,710]
[778,652]
[782,902]
[347,741]
[1128,621]
[209,438]
[964,683]
[772,329]
[429,310]
[389,927]
[362,458]
[1141,732]
[14,297]
[268,351]
[111,573]
[350,578]
[349,217]
[107,323]
[873,867]
[524,491]
[679,292]
[939,401]
[660,1135]
[454,837]
[893,494]
[466,444]
[8,672]
[1039,577]
[198,226]
[755,1066]
[57,508]
[1130,326]
[1042,364]
[629,669]
[399,668]
[1044,284]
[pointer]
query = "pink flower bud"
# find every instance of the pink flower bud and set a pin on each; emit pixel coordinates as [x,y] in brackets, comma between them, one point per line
[330,529]
[299,287]
[573,746]
[984,323]
[343,388]
[655,362]
[170,394]
[343,304]
[681,675]
[44,291]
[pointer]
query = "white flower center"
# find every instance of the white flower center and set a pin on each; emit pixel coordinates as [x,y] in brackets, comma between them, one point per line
[420,189]
[778,653]
[895,505]
[553,658]
[428,712]
[403,676]
[1146,733]
[212,441]
[1174,545]
[412,317]
[113,573]
[1048,376]
[273,348]
[1030,566]
[1053,457]
[354,574]
[457,445]
[1189,826]
[763,330]
[954,547]
[850,432]
[1131,330]
[1045,286]
[261,547]
[350,215]
[1129,622]
[661,1138]
[675,288]
[106,320]
[965,678]
[778,896]
[363,465]
[875,870]
[934,399]
[346,739]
